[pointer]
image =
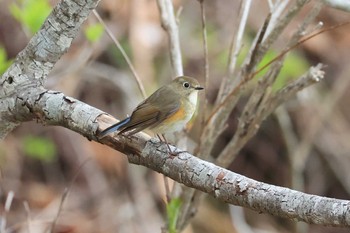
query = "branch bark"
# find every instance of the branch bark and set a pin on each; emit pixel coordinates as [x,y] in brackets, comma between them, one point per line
[25,78]
[57,109]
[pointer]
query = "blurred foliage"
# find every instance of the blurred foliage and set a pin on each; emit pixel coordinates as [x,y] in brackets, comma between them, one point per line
[39,148]
[116,56]
[293,67]
[172,209]
[94,32]
[4,62]
[30,13]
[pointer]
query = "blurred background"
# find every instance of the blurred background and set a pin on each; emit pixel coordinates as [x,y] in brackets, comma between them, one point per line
[106,193]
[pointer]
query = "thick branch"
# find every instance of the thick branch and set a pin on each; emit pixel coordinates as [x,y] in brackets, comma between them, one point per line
[56,109]
[32,65]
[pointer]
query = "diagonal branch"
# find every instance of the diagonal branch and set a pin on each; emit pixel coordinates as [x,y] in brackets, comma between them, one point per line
[185,168]
[32,65]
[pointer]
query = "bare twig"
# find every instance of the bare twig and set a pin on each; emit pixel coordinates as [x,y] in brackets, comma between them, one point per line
[29,220]
[253,59]
[235,48]
[8,203]
[126,57]
[169,24]
[205,43]
[65,195]
[312,76]
[299,43]
[338,4]
[301,152]
[236,43]
[276,10]
[279,27]
[251,117]
[203,109]
[253,112]
[278,57]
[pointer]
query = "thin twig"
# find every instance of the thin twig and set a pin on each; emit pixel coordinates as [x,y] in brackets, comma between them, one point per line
[233,92]
[29,220]
[65,194]
[167,189]
[8,202]
[257,53]
[169,24]
[297,44]
[326,109]
[254,111]
[279,27]
[313,75]
[276,10]
[203,110]
[235,49]
[251,117]
[205,43]
[236,43]
[343,5]
[253,58]
[126,57]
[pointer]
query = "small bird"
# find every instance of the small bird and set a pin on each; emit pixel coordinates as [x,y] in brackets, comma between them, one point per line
[167,110]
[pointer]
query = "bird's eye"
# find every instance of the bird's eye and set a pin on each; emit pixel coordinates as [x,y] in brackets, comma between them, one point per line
[186,84]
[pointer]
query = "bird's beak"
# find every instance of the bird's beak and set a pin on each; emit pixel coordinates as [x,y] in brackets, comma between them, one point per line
[199,88]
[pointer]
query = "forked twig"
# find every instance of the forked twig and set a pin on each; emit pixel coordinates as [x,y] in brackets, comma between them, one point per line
[250,77]
[297,44]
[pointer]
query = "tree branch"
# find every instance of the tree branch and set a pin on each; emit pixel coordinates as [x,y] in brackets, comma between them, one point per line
[57,109]
[32,65]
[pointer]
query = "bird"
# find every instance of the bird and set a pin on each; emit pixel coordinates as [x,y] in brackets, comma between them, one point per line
[165,111]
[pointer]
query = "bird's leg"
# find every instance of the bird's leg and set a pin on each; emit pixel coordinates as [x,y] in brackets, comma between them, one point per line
[166,142]
[172,153]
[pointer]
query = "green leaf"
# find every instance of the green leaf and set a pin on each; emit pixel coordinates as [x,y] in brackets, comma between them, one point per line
[173,209]
[94,32]
[39,148]
[31,13]
[4,62]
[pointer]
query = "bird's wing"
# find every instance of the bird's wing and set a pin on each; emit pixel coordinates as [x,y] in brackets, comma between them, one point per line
[153,111]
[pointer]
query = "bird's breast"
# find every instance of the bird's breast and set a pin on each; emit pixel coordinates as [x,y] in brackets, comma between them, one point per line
[179,119]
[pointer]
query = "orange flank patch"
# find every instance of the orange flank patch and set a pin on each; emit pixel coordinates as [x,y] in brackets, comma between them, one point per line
[177,116]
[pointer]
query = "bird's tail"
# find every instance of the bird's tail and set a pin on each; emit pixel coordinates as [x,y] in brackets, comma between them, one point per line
[113,128]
